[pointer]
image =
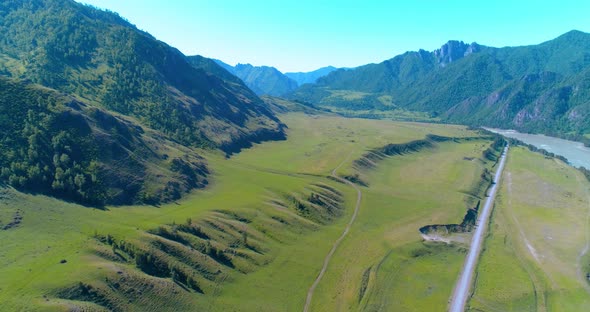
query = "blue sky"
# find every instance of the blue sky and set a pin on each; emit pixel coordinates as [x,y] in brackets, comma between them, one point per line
[303,35]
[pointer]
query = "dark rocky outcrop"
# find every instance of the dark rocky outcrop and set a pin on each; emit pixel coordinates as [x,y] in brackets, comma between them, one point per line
[466,225]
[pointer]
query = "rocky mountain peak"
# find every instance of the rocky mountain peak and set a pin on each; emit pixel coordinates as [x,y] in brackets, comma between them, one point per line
[454,50]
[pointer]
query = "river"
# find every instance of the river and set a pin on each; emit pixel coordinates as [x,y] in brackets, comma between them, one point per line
[576,153]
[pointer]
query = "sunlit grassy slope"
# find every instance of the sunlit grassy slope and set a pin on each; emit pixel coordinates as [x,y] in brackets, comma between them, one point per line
[248,212]
[318,143]
[532,258]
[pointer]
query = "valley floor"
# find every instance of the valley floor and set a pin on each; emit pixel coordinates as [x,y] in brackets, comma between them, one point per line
[257,237]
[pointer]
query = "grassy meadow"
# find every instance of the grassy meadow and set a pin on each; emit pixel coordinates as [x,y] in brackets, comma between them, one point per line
[404,194]
[266,236]
[532,259]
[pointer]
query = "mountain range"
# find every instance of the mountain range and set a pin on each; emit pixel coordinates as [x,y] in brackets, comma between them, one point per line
[263,80]
[310,77]
[267,80]
[538,88]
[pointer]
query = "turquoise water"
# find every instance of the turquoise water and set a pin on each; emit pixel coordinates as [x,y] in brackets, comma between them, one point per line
[576,153]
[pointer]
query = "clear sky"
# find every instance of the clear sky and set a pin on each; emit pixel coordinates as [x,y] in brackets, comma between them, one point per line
[303,35]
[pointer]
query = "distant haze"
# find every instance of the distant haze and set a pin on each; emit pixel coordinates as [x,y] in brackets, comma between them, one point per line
[301,36]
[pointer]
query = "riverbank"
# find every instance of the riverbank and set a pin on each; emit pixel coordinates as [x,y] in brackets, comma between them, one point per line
[576,153]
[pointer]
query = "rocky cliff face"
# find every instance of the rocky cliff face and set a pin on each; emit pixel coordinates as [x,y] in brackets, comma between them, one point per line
[454,50]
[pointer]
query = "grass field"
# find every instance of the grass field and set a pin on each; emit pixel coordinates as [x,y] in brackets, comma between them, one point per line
[259,212]
[405,193]
[532,258]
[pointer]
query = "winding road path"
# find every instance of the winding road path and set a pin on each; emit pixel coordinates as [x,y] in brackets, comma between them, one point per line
[359,195]
[459,299]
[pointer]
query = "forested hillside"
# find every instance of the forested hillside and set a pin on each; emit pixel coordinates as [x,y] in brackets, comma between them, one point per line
[539,88]
[101,57]
[55,144]
[95,111]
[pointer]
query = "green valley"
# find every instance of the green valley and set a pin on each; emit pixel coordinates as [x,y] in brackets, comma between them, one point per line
[134,177]
[266,228]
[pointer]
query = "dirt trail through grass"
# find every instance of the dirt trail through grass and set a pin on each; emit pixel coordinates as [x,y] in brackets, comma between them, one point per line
[311,290]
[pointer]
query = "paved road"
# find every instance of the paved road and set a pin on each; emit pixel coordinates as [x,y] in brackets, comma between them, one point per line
[359,196]
[462,289]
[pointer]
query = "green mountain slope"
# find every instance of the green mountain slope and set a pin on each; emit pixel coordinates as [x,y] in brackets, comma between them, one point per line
[55,144]
[536,102]
[540,88]
[101,57]
[263,80]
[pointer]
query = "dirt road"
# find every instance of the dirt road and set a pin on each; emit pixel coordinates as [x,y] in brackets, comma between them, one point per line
[462,289]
